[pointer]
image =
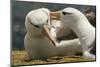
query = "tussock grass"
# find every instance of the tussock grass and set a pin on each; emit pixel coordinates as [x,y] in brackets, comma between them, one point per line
[18,58]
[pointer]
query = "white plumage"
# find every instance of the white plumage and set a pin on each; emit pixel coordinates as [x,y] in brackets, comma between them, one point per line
[36,42]
[76,20]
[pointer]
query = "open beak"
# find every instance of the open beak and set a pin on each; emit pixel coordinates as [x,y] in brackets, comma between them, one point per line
[46,30]
[55,15]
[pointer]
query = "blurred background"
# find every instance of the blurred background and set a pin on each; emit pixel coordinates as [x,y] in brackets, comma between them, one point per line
[20,9]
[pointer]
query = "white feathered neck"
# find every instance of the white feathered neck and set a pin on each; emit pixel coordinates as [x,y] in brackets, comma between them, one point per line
[80,25]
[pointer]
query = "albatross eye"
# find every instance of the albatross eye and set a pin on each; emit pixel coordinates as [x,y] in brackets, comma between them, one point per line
[36,26]
[65,13]
[47,21]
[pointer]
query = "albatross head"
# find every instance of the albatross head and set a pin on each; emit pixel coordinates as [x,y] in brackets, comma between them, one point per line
[39,22]
[39,17]
[70,15]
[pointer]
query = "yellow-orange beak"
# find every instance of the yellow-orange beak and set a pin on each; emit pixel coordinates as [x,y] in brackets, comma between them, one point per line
[55,15]
[47,33]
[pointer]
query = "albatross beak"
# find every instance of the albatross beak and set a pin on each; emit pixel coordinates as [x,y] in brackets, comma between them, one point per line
[55,15]
[46,30]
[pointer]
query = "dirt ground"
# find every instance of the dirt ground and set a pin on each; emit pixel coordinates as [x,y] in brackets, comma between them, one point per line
[19,56]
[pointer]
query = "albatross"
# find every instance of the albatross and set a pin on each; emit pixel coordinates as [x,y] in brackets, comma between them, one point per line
[77,21]
[39,43]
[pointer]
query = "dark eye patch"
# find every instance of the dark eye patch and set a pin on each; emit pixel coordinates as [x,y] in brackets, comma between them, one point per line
[47,20]
[34,25]
[65,13]
[37,26]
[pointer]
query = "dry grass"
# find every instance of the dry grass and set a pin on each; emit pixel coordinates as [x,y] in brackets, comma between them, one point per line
[19,56]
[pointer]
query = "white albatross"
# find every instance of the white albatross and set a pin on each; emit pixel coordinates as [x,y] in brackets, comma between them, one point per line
[38,42]
[77,21]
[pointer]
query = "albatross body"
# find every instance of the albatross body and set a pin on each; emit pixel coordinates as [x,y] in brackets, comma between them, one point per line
[35,41]
[38,45]
[76,20]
